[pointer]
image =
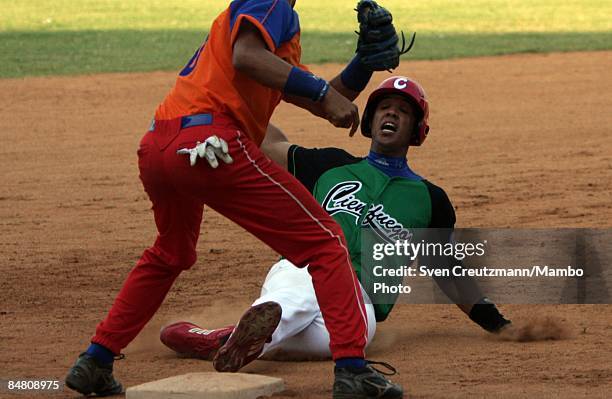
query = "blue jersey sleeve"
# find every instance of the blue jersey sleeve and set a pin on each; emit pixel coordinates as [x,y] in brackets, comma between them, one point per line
[276,19]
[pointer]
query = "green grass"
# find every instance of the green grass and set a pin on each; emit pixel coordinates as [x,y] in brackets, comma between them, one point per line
[85,36]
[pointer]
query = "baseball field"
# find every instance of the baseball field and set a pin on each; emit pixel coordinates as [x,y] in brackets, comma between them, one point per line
[521,136]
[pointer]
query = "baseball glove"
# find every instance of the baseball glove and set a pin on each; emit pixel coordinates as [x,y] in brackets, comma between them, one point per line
[378,41]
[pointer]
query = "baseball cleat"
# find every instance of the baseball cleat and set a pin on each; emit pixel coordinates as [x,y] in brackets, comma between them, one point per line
[89,376]
[246,343]
[189,340]
[365,383]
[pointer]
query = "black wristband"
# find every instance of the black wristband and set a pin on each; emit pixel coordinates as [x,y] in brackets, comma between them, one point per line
[486,315]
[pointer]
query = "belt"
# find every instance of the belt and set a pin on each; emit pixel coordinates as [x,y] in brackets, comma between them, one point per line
[190,121]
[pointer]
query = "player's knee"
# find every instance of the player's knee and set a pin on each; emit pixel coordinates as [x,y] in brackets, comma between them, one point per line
[337,232]
[329,254]
[185,260]
[178,258]
[330,248]
[333,242]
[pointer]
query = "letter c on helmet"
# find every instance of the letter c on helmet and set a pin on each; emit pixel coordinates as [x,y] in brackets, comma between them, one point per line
[401,83]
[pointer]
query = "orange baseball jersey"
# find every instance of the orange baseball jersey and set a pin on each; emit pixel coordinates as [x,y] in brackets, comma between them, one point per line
[210,83]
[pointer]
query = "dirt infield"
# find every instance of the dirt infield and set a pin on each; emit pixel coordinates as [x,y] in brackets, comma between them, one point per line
[516,141]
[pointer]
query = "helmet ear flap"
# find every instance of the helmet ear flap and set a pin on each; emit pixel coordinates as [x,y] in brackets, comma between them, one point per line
[415,138]
[366,119]
[420,133]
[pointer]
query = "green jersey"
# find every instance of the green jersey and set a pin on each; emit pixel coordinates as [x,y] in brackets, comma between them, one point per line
[359,195]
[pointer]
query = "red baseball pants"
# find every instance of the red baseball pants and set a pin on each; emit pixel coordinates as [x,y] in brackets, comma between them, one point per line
[255,193]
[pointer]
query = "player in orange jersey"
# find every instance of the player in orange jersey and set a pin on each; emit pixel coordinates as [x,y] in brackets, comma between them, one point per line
[220,107]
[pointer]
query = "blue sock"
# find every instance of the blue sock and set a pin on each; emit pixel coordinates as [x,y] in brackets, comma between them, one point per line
[100,353]
[352,362]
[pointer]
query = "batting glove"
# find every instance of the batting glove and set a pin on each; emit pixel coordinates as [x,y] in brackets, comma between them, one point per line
[211,149]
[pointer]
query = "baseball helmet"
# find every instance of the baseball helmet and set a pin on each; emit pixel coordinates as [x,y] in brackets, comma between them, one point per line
[413,92]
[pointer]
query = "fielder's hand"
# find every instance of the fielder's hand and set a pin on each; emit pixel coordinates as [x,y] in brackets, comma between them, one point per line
[211,149]
[340,111]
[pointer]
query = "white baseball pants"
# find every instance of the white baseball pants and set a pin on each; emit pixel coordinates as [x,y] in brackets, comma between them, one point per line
[301,331]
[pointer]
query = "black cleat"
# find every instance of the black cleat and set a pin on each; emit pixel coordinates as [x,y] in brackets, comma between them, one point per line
[89,376]
[365,383]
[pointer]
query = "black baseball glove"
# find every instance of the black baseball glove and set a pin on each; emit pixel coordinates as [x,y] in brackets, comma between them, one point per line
[378,41]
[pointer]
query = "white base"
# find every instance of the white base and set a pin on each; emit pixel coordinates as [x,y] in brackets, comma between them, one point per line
[208,385]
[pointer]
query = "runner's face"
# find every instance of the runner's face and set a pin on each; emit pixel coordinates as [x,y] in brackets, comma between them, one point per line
[392,125]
